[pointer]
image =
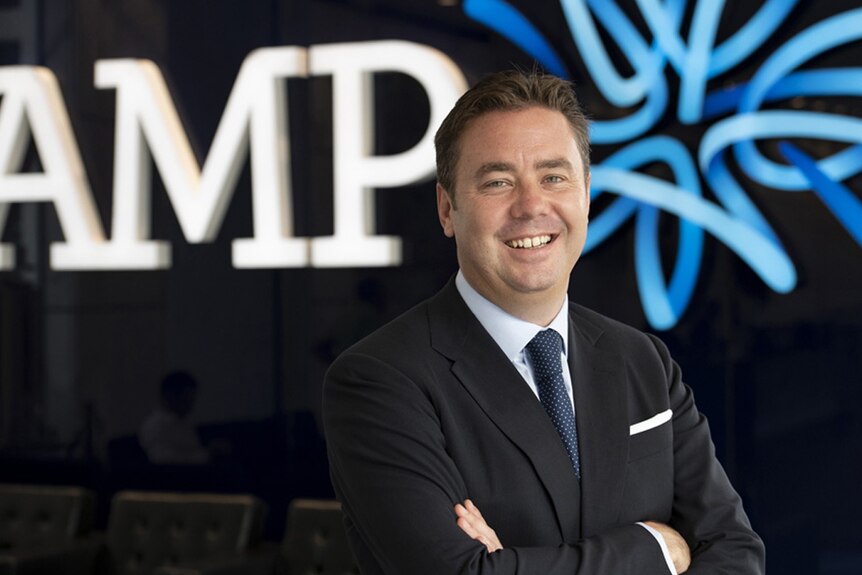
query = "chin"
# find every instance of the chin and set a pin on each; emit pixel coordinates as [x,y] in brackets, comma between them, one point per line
[534,286]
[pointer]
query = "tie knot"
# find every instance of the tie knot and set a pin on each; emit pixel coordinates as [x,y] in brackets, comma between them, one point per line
[544,351]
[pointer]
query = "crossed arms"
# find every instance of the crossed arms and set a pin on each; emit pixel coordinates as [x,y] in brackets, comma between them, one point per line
[470,521]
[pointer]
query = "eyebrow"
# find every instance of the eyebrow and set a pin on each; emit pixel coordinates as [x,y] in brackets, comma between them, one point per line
[494,167]
[554,164]
[551,164]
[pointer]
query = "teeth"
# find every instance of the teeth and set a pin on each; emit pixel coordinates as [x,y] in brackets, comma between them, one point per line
[527,243]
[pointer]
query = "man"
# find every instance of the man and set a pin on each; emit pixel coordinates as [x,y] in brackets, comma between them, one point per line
[167,436]
[447,410]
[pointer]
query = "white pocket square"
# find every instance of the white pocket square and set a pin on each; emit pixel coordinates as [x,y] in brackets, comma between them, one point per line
[653,421]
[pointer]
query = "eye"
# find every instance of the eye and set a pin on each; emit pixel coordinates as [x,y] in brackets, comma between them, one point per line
[554,179]
[495,184]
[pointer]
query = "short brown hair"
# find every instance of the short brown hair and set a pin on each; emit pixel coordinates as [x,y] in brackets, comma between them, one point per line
[507,91]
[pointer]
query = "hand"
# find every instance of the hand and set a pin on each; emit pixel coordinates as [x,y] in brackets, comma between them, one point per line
[470,520]
[676,545]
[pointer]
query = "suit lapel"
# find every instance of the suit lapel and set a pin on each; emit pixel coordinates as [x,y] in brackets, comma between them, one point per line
[497,387]
[599,387]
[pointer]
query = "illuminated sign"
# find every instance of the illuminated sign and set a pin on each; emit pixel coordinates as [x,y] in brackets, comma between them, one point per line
[703,192]
[733,120]
[254,119]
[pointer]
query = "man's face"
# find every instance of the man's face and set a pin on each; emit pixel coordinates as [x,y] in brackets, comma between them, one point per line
[522,206]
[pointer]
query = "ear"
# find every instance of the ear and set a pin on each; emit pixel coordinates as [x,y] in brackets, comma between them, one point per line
[444,211]
[588,179]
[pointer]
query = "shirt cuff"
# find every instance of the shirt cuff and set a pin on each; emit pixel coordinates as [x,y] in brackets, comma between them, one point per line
[663,545]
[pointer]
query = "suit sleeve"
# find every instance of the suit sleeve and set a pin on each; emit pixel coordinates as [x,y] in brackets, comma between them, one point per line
[398,486]
[707,511]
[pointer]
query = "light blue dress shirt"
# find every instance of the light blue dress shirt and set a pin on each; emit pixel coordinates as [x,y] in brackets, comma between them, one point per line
[513,334]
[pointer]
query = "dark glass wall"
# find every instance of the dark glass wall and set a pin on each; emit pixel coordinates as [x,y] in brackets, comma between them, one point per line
[82,353]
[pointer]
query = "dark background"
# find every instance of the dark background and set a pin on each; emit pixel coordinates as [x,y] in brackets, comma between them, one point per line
[81,353]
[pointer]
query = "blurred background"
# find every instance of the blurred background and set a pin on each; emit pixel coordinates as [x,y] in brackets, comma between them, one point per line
[756,286]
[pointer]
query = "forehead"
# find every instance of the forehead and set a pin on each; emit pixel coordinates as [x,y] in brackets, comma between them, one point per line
[530,134]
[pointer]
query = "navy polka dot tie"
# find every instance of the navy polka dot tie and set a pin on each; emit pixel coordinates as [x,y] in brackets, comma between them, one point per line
[544,352]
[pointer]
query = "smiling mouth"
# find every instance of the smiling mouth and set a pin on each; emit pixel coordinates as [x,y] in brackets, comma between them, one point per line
[530,243]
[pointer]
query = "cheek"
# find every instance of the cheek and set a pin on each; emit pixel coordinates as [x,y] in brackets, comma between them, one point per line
[577,215]
[477,222]
[474,237]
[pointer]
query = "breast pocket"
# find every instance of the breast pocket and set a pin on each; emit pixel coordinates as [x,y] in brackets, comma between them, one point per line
[648,491]
[652,441]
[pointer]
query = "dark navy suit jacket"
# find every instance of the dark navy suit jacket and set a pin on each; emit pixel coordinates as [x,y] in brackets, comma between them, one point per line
[428,411]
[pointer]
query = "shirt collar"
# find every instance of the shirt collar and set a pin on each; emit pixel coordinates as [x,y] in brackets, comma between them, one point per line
[511,333]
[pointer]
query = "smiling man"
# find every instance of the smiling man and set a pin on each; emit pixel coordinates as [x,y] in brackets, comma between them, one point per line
[520,214]
[572,433]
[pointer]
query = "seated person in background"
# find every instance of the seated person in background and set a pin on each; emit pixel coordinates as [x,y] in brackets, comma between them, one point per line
[167,436]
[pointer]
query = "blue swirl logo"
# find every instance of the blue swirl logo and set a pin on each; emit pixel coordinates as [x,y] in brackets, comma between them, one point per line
[735,120]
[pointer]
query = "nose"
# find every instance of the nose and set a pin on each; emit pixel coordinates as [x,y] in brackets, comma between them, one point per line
[529,201]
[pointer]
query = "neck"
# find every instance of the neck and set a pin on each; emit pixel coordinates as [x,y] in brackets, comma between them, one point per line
[540,312]
[538,308]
